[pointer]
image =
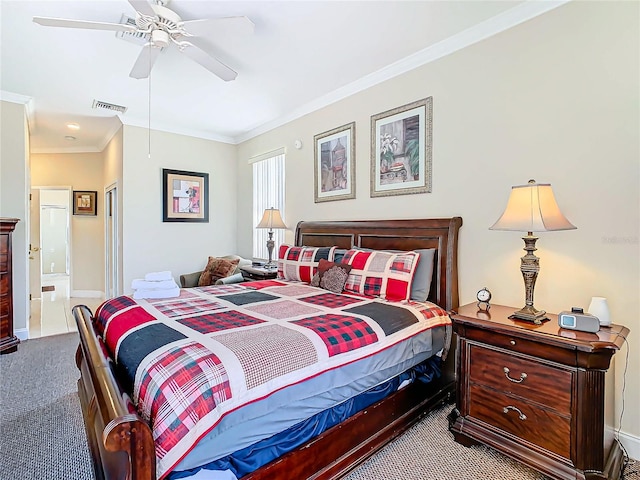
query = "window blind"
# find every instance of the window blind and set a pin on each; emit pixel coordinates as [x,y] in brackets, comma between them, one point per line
[268,192]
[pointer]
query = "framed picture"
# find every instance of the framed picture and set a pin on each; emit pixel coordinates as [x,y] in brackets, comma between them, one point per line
[401,149]
[84,202]
[185,196]
[334,164]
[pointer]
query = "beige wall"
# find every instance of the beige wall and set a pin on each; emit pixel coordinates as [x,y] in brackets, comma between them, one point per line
[151,245]
[80,171]
[554,99]
[14,194]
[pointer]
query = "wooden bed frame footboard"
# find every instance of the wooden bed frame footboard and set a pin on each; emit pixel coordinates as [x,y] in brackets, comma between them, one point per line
[121,443]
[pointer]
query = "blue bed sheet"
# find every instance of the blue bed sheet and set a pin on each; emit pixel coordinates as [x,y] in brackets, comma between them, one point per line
[251,458]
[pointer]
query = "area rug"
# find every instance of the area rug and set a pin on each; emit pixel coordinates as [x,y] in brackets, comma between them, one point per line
[42,434]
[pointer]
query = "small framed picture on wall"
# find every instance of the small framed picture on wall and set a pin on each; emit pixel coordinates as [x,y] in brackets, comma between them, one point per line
[84,202]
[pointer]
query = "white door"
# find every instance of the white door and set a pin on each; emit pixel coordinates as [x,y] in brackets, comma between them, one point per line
[54,231]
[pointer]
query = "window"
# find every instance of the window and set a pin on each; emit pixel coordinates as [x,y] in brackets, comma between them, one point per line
[268,191]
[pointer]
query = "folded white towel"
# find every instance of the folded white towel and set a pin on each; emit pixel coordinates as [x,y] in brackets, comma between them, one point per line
[158,276]
[139,284]
[168,293]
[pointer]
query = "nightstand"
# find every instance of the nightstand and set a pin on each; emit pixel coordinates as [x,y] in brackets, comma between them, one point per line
[536,392]
[253,273]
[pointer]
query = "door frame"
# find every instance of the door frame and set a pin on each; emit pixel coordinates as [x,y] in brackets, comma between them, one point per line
[69,258]
[35,257]
[111,241]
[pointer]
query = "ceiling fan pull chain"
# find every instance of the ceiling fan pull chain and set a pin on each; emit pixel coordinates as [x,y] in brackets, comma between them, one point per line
[149,120]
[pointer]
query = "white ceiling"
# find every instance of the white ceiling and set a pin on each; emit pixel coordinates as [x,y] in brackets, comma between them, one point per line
[301,56]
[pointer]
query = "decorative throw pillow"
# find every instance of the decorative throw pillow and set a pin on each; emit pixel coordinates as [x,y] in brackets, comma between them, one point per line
[301,263]
[421,285]
[216,269]
[381,274]
[331,276]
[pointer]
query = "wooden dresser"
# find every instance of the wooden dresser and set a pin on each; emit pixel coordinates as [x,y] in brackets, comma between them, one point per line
[535,392]
[8,341]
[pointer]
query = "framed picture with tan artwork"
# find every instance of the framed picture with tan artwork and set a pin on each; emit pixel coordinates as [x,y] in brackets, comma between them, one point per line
[185,196]
[334,164]
[84,202]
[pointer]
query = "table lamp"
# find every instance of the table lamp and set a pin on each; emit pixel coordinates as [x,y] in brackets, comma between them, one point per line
[531,208]
[271,219]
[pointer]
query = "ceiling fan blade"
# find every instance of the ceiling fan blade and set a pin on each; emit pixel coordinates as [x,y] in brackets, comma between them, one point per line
[144,62]
[220,26]
[213,65]
[63,22]
[143,6]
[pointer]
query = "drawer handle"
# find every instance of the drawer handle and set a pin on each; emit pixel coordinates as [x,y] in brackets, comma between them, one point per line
[522,376]
[521,415]
[512,342]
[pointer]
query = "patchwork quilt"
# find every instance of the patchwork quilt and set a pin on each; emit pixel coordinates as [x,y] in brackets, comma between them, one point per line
[190,360]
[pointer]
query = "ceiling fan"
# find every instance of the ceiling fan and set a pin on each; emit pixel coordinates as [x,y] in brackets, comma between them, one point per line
[162,26]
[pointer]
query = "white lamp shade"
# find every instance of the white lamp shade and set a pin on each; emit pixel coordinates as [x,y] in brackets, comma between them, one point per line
[271,219]
[532,208]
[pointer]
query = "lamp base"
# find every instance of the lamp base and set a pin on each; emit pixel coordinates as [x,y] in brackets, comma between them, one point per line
[530,314]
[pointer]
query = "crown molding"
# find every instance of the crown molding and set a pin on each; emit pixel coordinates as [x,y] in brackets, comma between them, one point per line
[6,96]
[25,100]
[116,125]
[163,127]
[79,149]
[490,27]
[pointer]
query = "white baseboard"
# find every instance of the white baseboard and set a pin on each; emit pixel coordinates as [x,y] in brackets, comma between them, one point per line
[87,294]
[22,334]
[631,444]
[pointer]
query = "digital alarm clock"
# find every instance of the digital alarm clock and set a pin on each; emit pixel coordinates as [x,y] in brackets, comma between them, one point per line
[576,319]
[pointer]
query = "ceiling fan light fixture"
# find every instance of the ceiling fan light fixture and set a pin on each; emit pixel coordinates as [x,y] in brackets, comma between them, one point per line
[73,126]
[159,38]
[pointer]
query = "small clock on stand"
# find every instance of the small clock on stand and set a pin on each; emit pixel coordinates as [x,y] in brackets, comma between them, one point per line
[484,297]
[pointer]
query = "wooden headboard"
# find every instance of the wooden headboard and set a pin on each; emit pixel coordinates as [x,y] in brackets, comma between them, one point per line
[438,233]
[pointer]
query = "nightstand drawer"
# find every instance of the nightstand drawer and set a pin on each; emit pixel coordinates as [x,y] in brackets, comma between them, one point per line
[521,345]
[513,415]
[529,379]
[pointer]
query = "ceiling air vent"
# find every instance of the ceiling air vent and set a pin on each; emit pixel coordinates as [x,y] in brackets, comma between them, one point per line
[109,106]
[135,37]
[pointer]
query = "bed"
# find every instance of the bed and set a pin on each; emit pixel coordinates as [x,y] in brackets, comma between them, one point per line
[122,444]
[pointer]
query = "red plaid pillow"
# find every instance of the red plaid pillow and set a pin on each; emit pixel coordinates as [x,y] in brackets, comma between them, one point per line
[301,263]
[381,274]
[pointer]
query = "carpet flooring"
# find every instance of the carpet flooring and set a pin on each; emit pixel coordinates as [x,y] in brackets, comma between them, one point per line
[42,434]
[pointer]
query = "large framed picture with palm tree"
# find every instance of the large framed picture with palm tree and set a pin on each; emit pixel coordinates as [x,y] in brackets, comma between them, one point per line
[401,145]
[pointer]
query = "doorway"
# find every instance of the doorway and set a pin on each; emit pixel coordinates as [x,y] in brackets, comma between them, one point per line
[50,257]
